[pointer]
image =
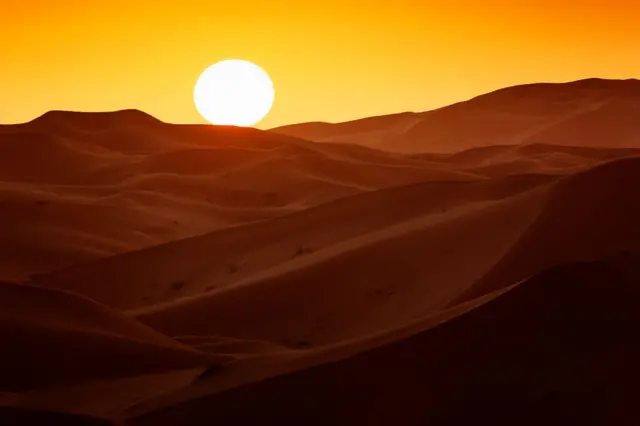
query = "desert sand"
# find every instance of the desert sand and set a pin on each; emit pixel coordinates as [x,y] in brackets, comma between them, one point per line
[585,113]
[475,264]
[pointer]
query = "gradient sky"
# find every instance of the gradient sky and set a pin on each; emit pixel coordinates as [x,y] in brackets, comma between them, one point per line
[329,60]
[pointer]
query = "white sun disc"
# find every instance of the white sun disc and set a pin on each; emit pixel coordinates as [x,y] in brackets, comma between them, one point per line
[234,92]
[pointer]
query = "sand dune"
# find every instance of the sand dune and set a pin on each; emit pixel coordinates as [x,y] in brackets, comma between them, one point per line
[176,275]
[282,269]
[51,338]
[79,186]
[496,161]
[221,259]
[376,290]
[503,241]
[378,297]
[537,352]
[593,112]
[21,416]
[588,216]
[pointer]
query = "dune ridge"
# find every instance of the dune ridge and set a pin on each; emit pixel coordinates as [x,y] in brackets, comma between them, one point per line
[121,181]
[592,112]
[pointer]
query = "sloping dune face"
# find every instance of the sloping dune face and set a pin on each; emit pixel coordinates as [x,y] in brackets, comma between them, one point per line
[595,112]
[400,264]
[558,348]
[495,285]
[51,338]
[78,186]
[487,300]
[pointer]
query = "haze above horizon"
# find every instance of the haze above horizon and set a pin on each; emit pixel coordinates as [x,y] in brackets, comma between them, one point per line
[337,62]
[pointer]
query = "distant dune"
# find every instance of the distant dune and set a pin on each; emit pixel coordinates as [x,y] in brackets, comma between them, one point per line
[81,186]
[78,186]
[585,113]
[169,275]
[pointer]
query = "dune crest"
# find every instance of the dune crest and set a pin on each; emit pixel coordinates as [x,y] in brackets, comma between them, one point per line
[593,112]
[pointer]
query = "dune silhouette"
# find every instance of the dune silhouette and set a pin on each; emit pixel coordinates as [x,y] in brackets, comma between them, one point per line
[594,112]
[479,263]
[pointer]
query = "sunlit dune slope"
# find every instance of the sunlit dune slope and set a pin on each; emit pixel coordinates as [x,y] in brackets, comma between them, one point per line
[396,265]
[78,186]
[395,275]
[214,261]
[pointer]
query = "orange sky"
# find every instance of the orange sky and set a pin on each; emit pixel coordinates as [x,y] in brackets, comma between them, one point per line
[329,60]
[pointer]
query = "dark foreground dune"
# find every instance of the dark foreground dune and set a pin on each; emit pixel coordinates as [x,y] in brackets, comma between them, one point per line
[59,338]
[559,348]
[324,284]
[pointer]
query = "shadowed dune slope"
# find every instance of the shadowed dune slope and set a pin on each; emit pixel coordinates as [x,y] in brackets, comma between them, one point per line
[588,216]
[26,417]
[52,337]
[594,112]
[558,348]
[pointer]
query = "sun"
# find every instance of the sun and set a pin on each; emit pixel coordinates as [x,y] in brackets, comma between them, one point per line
[234,92]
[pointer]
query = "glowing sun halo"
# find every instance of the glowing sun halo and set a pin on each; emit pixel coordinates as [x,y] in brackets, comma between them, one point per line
[234,92]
